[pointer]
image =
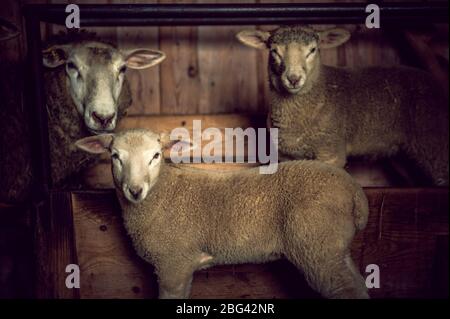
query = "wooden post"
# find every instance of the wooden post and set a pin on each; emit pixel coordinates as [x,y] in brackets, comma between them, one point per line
[55,246]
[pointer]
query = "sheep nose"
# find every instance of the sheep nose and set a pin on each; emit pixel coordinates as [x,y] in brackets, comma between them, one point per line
[103,120]
[294,79]
[135,192]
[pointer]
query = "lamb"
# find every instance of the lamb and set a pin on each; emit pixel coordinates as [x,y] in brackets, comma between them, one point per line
[86,93]
[184,219]
[329,113]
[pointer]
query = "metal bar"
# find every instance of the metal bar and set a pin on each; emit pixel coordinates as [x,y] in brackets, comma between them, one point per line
[223,14]
[37,111]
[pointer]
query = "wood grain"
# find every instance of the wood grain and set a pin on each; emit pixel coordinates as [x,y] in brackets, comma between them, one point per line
[55,246]
[227,70]
[367,174]
[180,83]
[110,269]
[145,84]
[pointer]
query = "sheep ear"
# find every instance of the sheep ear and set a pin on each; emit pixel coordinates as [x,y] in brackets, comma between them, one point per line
[254,38]
[143,58]
[181,143]
[332,38]
[55,56]
[96,144]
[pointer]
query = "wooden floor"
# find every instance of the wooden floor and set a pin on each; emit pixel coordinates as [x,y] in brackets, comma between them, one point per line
[407,237]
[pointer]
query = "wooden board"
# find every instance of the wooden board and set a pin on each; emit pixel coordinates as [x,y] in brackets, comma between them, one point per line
[380,173]
[54,245]
[406,237]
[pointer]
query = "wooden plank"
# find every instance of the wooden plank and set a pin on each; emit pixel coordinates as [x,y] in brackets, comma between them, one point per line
[55,246]
[372,174]
[401,239]
[144,84]
[167,123]
[180,84]
[405,236]
[109,267]
[228,73]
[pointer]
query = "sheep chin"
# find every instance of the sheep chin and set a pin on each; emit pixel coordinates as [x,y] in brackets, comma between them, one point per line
[98,132]
[293,91]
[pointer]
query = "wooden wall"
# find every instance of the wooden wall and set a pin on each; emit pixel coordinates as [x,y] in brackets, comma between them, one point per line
[207,71]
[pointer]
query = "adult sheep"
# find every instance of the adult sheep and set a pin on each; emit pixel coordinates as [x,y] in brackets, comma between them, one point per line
[184,219]
[86,93]
[329,113]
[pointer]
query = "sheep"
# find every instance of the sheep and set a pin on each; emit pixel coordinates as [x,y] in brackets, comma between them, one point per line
[183,219]
[86,93]
[329,113]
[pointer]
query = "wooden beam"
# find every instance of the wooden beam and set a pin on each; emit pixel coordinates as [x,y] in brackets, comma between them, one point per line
[55,247]
[372,174]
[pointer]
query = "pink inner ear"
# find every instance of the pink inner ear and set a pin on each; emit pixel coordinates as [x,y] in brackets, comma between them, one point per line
[94,146]
[177,145]
[137,59]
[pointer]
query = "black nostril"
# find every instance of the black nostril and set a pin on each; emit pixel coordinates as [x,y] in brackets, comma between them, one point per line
[103,120]
[135,192]
[293,79]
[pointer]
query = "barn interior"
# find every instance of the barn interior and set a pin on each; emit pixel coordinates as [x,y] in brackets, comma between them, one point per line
[209,76]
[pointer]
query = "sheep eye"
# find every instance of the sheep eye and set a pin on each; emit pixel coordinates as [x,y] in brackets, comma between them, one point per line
[72,66]
[276,54]
[115,157]
[312,51]
[156,156]
[123,69]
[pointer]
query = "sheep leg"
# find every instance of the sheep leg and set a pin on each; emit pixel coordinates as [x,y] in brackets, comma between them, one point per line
[432,158]
[337,158]
[175,284]
[336,278]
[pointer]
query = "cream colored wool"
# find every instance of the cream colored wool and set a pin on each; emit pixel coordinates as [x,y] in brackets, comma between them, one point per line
[307,212]
[342,112]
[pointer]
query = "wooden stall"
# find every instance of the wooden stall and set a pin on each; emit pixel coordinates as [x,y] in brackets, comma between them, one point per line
[209,75]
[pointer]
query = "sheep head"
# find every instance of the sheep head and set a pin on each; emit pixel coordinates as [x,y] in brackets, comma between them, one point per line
[294,53]
[94,77]
[136,158]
